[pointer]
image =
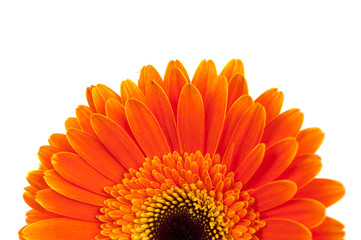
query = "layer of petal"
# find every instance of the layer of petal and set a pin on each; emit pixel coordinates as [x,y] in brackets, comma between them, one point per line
[117,141]
[283,229]
[306,211]
[146,129]
[303,169]
[272,100]
[326,191]
[56,203]
[285,125]
[330,229]
[74,169]
[276,160]
[309,140]
[273,194]
[159,104]
[215,106]
[61,229]
[236,88]
[72,191]
[190,119]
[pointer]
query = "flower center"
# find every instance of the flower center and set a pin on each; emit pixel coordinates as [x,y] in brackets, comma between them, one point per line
[180,197]
[181,214]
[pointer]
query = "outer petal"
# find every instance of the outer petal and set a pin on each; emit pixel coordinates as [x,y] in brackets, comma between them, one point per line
[100,95]
[190,119]
[285,125]
[72,122]
[236,88]
[273,194]
[159,104]
[95,154]
[272,100]
[276,160]
[149,73]
[326,191]
[76,170]
[174,81]
[330,229]
[61,229]
[45,153]
[83,114]
[146,129]
[309,140]
[250,164]
[303,169]
[232,118]
[204,75]
[116,111]
[60,141]
[247,133]
[54,202]
[306,211]
[283,229]
[117,142]
[232,67]
[129,89]
[72,191]
[215,110]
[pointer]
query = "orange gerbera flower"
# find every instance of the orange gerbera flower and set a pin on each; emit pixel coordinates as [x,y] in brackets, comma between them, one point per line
[178,159]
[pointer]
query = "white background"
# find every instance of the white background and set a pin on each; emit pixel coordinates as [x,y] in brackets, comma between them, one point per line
[51,51]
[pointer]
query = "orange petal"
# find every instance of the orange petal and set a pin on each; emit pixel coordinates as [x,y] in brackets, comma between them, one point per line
[60,141]
[56,203]
[72,191]
[149,73]
[232,67]
[36,179]
[330,229]
[83,114]
[29,199]
[129,90]
[159,104]
[190,119]
[146,129]
[35,216]
[174,81]
[326,191]
[45,153]
[89,98]
[305,211]
[71,122]
[95,154]
[250,164]
[204,76]
[74,169]
[283,229]
[309,140]
[273,194]
[236,88]
[177,64]
[303,169]
[247,133]
[272,100]
[116,111]
[276,160]
[215,105]
[232,118]
[100,95]
[285,125]
[61,229]
[117,141]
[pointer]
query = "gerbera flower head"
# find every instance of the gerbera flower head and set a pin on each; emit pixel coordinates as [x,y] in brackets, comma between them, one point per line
[179,158]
